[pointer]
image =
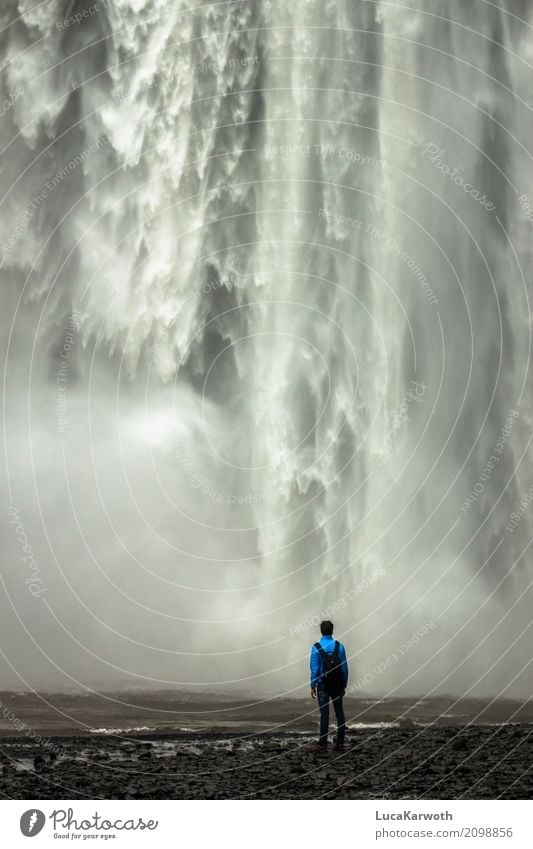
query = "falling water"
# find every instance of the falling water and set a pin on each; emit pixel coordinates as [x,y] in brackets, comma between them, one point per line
[265,326]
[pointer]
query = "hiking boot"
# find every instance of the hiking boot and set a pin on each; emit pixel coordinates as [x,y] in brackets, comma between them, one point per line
[339,747]
[318,749]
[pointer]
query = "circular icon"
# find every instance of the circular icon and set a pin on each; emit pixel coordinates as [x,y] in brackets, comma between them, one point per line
[32,822]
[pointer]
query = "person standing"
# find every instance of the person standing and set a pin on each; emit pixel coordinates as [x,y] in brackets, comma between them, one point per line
[329,677]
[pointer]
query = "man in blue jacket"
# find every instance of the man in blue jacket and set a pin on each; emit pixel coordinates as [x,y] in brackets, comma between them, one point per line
[329,677]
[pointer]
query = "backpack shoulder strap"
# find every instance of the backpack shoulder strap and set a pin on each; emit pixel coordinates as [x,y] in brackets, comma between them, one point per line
[336,650]
[320,650]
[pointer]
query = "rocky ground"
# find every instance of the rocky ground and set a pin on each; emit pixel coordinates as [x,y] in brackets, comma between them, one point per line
[476,762]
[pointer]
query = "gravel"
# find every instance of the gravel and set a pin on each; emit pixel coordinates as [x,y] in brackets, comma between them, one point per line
[474,762]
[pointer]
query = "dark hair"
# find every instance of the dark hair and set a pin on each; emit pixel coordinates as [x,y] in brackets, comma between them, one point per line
[326,628]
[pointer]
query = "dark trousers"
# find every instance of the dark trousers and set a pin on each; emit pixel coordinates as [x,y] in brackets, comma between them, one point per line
[323,702]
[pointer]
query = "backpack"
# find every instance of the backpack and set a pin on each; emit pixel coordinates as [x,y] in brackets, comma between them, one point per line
[332,676]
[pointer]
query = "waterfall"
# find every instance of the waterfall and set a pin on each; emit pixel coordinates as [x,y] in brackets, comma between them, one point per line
[266,343]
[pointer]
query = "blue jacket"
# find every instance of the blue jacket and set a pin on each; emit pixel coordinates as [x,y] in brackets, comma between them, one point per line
[328,644]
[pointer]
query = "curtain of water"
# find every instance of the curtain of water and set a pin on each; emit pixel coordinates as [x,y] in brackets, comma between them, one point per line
[265,323]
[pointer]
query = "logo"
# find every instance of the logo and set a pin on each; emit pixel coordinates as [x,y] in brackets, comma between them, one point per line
[32,822]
